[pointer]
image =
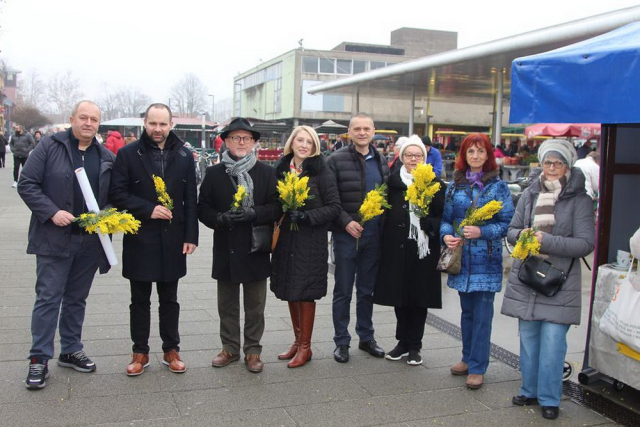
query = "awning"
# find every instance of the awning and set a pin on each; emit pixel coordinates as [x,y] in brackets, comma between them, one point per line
[579,130]
[594,81]
[331,127]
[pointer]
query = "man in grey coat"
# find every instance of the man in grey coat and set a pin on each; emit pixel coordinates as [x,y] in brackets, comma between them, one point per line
[21,145]
[67,258]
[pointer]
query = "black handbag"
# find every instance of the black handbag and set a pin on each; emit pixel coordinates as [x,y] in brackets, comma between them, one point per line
[542,276]
[261,236]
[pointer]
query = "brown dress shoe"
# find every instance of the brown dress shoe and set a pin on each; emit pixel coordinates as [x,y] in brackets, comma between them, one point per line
[253,362]
[173,361]
[474,381]
[139,361]
[224,358]
[460,368]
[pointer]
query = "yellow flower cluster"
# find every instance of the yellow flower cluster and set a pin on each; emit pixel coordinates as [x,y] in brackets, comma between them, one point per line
[373,203]
[161,191]
[109,221]
[238,198]
[293,191]
[421,191]
[477,216]
[526,245]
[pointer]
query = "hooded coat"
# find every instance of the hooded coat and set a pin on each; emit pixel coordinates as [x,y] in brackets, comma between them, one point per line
[573,237]
[481,258]
[114,142]
[21,145]
[404,279]
[299,265]
[154,254]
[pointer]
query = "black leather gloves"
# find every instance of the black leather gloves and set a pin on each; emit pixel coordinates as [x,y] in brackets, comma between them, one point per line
[299,217]
[224,219]
[244,215]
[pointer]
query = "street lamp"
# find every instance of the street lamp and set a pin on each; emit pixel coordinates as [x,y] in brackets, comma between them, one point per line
[213,108]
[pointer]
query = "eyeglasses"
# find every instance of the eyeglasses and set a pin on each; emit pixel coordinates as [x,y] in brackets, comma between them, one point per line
[556,165]
[414,156]
[245,139]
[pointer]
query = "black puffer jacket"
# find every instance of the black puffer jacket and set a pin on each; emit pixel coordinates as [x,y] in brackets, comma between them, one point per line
[299,262]
[347,166]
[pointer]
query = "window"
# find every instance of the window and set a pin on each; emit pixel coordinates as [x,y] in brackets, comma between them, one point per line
[343,66]
[359,67]
[327,66]
[374,65]
[277,96]
[309,64]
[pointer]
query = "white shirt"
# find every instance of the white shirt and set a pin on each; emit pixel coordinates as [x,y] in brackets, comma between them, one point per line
[591,172]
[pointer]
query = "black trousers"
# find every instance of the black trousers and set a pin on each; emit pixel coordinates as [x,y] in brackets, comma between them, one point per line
[140,315]
[17,162]
[410,326]
[2,158]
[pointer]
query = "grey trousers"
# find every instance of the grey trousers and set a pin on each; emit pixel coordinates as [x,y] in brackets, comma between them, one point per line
[254,299]
[62,288]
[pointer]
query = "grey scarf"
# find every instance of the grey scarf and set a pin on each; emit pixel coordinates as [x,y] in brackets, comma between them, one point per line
[240,169]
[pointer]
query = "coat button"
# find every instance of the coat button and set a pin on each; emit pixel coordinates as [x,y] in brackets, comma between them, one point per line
[401,246]
[404,206]
[231,251]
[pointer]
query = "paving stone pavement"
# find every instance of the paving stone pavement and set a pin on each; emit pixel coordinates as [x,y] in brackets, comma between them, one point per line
[364,392]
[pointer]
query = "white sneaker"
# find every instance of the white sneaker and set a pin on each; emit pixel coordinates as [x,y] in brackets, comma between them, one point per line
[14,185]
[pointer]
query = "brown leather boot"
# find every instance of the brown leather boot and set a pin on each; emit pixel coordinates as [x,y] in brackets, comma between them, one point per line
[294,310]
[139,361]
[307,316]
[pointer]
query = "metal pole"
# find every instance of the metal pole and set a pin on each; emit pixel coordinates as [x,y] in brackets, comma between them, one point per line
[497,117]
[203,143]
[213,108]
[412,112]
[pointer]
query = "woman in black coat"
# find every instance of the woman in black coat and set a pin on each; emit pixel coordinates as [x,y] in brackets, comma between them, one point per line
[406,281]
[299,261]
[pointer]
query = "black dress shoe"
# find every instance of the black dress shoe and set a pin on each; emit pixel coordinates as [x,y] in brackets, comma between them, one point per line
[341,354]
[550,412]
[524,400]
[371,347]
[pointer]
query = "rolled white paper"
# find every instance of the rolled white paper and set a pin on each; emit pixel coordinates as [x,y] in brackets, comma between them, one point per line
[92,205]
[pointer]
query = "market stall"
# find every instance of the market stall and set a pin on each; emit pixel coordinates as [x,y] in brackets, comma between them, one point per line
[595,81]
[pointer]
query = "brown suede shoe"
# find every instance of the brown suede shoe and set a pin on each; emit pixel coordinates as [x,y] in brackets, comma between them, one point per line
[139,361]
[474,381]
[173,361]
[254,364]
[224,358]
[460,368]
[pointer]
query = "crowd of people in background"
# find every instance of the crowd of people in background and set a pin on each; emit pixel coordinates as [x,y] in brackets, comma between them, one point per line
[390,260]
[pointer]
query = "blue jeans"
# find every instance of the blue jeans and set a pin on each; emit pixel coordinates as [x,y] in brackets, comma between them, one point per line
[361,265]
[62,288]
[475,326]
[543,347]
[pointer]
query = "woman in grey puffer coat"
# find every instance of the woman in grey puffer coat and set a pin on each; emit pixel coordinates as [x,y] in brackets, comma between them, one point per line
[560,211]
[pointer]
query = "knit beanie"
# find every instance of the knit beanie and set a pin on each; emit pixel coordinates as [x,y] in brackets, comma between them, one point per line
[413,140]
[560,148]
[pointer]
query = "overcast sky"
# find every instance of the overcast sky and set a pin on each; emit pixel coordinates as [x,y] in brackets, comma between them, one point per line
[152,44]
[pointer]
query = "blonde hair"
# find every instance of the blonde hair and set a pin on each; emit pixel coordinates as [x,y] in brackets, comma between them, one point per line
[314,137]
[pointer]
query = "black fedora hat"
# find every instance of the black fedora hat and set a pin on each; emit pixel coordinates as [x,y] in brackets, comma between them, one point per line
[240,123]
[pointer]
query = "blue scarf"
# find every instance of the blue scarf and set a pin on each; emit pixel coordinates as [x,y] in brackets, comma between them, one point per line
[475,178]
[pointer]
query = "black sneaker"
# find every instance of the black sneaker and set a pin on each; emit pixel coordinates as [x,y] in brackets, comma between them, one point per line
[38,373]
[415,358]
[78,361]
[397,353]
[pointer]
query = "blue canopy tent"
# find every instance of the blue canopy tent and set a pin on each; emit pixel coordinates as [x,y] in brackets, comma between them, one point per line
[594,81]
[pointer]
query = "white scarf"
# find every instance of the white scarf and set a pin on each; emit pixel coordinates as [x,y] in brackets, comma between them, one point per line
[415,232]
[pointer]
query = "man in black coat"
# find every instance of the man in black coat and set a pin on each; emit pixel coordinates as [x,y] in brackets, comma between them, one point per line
[233,261]
[358,168]
[158,253]
[67,257]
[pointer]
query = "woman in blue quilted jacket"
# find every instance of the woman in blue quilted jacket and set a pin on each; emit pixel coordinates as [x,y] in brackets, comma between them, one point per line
[476,182]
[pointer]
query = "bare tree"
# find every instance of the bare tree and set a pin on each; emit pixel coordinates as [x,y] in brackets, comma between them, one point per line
[131,101]
[64,92]
[32,90]
[189,96]
[108,104]
[29,117]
